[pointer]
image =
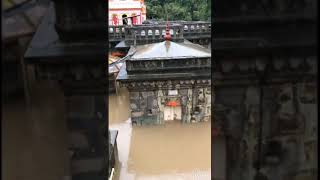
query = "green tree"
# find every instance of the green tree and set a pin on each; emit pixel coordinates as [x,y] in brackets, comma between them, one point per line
[179,9]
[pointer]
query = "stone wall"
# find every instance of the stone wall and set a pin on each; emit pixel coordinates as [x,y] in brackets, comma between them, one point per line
[148,106]
[289,138]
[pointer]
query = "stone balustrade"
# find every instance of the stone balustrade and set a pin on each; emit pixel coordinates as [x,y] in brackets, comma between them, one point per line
[154,32]
[196,29]
[116,32]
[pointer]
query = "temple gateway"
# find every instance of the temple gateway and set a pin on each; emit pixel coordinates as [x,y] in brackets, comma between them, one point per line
[168,81]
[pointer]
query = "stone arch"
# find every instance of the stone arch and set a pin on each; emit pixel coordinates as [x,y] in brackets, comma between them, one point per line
[143,33]
[171,31]
[185,28]
[163,32]
[157,33]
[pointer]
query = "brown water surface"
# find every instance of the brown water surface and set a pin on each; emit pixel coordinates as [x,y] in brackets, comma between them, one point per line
[34,143]
[173,151]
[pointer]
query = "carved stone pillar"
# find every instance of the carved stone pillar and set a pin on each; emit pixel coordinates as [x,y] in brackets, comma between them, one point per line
[161,106]
[208,103]
[153,34]
[189,106]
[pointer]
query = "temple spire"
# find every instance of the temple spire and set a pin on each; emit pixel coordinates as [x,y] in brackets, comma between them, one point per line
[167,37]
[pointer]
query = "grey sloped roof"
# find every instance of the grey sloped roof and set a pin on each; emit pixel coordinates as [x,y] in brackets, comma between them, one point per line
[169,49]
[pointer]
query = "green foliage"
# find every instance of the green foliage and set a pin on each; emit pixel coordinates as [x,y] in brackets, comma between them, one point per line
[188,10]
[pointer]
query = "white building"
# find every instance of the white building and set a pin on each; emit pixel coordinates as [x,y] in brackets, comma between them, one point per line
[119,10]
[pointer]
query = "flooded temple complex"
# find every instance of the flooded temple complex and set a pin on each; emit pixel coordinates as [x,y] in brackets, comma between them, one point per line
[70,53]
[162,75]
[168,81]
[264,99]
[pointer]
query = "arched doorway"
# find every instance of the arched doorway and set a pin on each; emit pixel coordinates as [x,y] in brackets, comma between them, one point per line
[124,19]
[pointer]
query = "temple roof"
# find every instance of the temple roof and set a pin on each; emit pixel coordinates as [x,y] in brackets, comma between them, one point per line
[125,77]
[168,50]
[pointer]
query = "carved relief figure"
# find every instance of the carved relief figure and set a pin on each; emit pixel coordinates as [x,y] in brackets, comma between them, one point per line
[288,117]
[201,97]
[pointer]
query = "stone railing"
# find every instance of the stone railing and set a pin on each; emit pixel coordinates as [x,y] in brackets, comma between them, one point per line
[152,33]
[116,33]
[197,30]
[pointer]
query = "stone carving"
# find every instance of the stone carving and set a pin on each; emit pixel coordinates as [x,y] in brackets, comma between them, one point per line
[150,65]
[288,118]
[201,97]
[174,84]
[155,103]
[133,106]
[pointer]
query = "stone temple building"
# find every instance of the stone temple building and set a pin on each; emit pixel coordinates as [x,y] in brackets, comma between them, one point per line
[168,81]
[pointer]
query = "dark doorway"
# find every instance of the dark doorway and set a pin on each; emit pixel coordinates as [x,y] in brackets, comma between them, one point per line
[124,19]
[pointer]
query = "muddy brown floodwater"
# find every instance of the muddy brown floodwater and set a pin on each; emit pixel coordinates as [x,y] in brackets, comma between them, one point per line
[34,143]
[173,151]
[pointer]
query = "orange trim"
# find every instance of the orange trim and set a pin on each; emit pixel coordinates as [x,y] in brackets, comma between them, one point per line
[117,54]
[124,9]
[172,103]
